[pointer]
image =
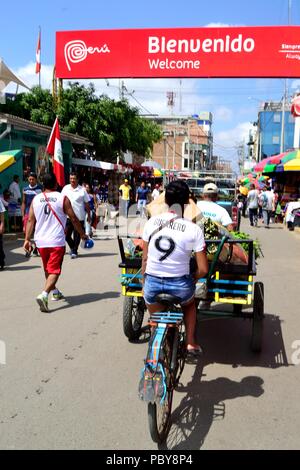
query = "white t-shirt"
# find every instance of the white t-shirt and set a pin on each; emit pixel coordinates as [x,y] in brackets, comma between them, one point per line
[14,189]
[2,208]
[49,232]
[252,199]
[214,212]
[266,198]
[78,197]
[155,194]
[170,249]
[289,217]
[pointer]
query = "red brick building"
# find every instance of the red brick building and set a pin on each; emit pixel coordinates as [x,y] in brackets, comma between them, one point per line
[186,142]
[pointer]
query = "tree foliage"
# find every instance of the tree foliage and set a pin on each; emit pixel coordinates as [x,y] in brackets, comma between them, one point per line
[112,126]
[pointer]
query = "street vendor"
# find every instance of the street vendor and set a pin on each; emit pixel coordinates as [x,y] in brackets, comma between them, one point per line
[210,209]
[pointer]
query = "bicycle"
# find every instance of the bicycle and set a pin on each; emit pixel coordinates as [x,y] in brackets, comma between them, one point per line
[163,365]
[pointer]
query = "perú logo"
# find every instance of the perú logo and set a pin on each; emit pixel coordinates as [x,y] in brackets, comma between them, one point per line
[77,51]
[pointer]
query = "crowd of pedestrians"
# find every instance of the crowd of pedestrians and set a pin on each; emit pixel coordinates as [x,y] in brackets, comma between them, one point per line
[262,204]
[52,217]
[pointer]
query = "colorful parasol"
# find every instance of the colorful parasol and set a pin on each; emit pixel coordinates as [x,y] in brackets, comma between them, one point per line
[290,156]
[8,158]
[157,173]
[292,165]
[270,168]
[243,190]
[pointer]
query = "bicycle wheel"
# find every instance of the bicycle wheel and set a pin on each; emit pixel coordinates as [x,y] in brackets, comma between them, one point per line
[258,317]
[133,316]
[179,359]
[159,414]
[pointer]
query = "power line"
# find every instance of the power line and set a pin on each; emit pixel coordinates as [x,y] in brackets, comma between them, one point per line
[140,104]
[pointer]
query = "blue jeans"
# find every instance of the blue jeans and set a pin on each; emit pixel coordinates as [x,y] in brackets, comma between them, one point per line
[182,287]
[266,215]
[141,207]
[124,206]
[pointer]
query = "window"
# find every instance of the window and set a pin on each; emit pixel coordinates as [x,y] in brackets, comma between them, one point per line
[275,139]
[185,163]
[276,118]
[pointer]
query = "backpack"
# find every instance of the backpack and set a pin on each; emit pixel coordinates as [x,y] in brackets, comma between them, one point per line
[264,201]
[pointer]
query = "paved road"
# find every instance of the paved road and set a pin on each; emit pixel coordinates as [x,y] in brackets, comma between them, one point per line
[70,379]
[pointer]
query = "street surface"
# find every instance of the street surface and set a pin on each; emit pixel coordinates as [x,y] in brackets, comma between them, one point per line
[71,376]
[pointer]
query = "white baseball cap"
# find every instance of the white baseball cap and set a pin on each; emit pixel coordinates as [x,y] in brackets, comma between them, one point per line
[210,188]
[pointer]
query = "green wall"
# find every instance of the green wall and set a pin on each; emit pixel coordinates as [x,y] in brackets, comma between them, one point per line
[17,139]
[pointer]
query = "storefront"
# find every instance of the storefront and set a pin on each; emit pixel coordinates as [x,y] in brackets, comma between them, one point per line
[31,139]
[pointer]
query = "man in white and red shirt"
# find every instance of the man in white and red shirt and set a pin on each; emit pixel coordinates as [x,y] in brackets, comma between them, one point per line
[47,217]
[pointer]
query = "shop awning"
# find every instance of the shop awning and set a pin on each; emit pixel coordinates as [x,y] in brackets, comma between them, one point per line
[8,158]
[94,164]
[7,76]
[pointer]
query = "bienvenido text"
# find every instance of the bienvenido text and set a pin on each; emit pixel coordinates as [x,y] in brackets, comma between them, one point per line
[161,45]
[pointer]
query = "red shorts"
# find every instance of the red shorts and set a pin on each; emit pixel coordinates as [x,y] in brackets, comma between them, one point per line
[52,258]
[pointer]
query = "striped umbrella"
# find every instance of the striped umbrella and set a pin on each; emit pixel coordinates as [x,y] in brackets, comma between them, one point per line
[261,165]
[290,156]
[292,165]
[270,168]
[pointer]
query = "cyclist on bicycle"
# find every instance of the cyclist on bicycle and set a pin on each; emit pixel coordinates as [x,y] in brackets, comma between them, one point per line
[168,242]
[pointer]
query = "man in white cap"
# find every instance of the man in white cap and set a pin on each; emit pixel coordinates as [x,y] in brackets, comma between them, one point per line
[210,208]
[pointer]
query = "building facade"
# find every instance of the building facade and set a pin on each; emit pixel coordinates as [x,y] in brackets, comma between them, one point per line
[272,124]
[187,142]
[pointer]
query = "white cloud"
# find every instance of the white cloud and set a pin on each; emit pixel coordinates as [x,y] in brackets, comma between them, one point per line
[217,25]
[295,85]
[221,25]
[226,142]
[222,113]
[231,137]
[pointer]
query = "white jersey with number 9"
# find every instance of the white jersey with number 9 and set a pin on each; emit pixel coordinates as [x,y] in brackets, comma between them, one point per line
[170,248]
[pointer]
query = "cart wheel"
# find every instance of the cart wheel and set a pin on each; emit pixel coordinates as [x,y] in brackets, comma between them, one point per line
[133,316]
[258,317]
[237,309]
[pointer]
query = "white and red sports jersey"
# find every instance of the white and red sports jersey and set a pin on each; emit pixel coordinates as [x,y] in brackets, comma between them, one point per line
[49,232]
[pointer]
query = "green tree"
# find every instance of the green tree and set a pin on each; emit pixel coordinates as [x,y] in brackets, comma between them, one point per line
[112,126]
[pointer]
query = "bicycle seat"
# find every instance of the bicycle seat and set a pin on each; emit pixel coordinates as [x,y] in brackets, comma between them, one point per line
[167,299]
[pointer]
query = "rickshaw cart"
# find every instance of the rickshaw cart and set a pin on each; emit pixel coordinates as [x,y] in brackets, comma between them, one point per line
[227,283]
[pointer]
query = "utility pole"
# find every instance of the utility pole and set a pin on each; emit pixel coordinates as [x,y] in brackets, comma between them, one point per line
[285,92]
[122,89]
[283,118]
[174,144]
[188,143]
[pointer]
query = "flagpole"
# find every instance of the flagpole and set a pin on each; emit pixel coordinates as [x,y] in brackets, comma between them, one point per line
[40,33]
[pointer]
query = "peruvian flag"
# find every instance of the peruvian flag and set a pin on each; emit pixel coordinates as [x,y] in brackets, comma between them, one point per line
[295,109]
[54,149]
[38,55]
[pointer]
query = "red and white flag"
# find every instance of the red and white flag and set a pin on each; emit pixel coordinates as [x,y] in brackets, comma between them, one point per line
[38,55]
[54,148]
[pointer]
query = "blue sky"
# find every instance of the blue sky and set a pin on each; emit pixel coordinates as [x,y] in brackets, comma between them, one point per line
[233,102]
